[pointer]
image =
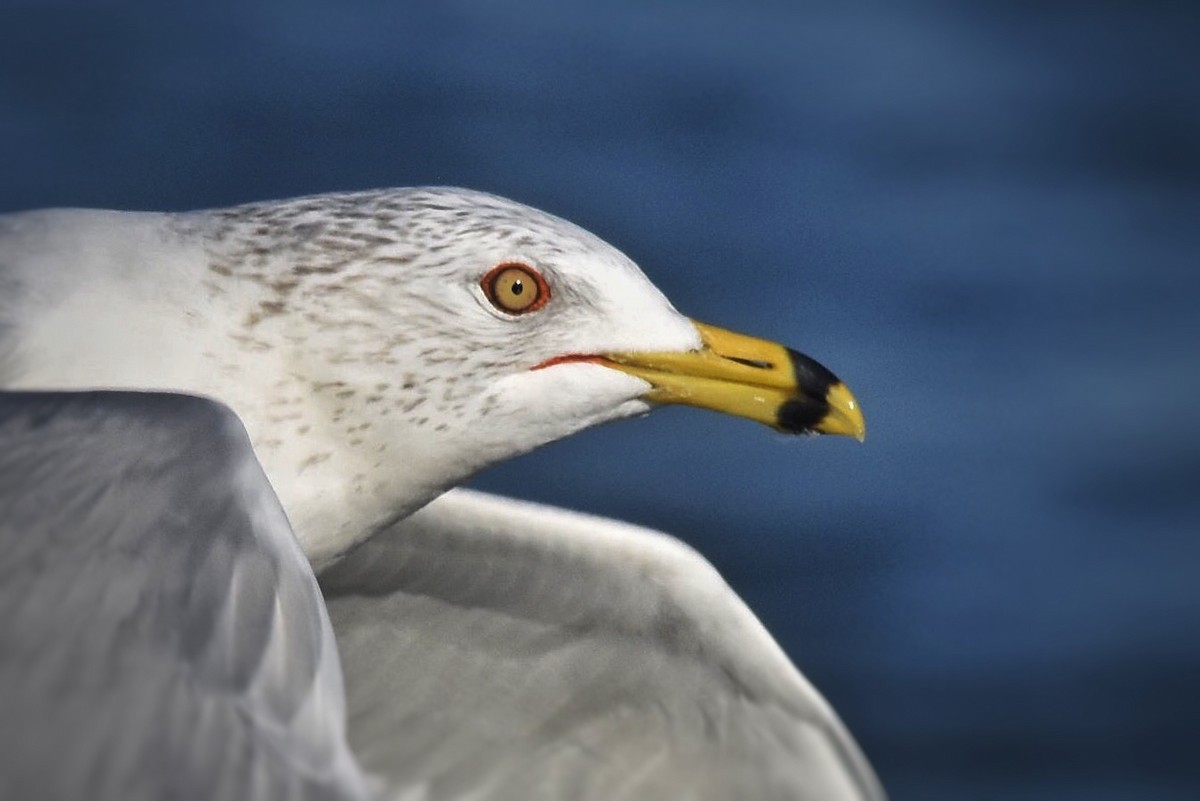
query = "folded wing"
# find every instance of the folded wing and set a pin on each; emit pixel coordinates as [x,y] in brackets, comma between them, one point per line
[162,634]
[503,650]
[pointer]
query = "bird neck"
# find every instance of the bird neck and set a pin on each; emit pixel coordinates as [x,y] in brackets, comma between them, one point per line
[345,463]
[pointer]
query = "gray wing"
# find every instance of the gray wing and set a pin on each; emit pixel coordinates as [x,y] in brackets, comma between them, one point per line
[501,650]
[162,635]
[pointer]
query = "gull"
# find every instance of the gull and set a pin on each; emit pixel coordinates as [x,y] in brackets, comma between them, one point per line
[381,348]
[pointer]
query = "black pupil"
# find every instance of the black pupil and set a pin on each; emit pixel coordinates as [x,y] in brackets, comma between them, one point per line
[517,286]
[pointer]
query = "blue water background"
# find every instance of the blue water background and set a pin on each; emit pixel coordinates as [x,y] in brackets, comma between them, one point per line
[984,216]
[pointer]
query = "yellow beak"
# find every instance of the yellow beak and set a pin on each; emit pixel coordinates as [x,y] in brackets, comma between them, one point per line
[752,378]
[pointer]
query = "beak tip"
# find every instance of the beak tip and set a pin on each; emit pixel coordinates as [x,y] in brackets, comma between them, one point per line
[845,416]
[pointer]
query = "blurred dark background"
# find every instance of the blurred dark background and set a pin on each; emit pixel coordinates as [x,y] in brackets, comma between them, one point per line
[985,217]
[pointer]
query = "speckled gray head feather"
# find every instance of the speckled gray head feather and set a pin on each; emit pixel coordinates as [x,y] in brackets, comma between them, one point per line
[375,351]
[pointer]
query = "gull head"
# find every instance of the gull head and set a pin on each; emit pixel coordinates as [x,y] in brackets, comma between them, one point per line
[384,346]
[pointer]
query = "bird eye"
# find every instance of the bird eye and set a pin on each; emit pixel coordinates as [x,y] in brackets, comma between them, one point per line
[515,288]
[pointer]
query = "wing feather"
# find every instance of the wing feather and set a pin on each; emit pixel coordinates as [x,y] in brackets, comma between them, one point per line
[163,635]
[503,650]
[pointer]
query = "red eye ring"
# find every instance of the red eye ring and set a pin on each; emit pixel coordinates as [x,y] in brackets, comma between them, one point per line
[515,288]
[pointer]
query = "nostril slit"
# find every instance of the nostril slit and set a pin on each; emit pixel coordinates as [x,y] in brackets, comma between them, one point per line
[757,363]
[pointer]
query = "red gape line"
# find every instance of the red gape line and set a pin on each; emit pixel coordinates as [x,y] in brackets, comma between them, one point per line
[568,359]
